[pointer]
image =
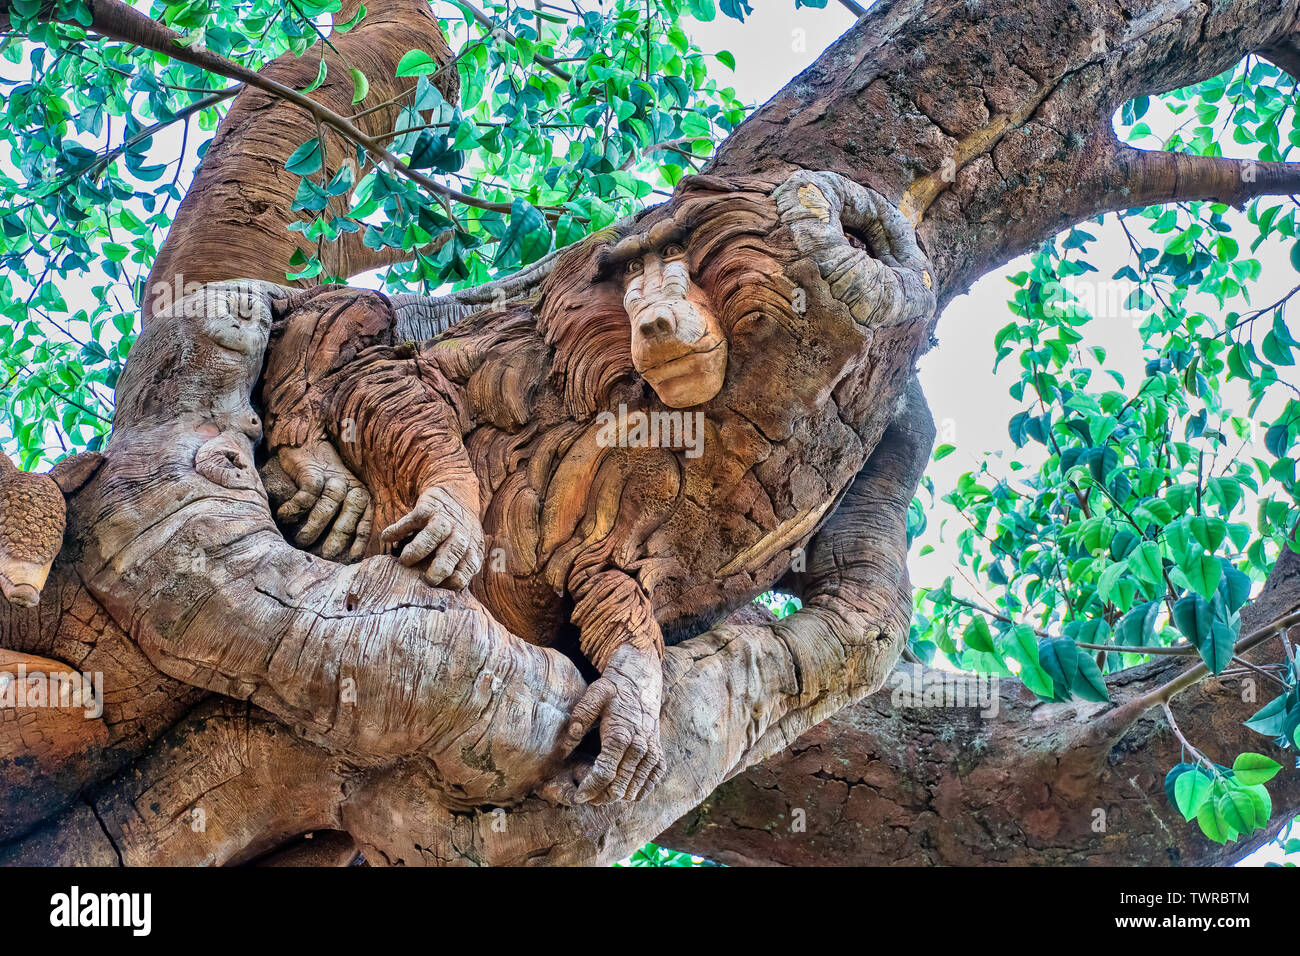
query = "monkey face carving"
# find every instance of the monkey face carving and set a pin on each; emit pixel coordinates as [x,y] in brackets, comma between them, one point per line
[678,345]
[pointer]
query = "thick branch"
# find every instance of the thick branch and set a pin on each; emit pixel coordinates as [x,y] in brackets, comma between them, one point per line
[997,776]
[1148,178]
[232,223]
[995,144]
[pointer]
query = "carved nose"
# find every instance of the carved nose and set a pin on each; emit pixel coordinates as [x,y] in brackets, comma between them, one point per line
[23,595]
[658,322]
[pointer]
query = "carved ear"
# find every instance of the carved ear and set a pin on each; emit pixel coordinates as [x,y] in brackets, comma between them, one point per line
[888,281]
[71,473]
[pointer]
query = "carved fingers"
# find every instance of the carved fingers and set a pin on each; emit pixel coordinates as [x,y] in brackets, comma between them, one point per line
[326,496]
[446,534]
[626,702]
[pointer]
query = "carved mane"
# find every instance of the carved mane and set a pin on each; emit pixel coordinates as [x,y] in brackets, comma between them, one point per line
[727,235]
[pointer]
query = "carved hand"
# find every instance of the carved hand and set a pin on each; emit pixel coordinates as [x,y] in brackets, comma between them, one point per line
[327,493]
[626,700]
[446,529]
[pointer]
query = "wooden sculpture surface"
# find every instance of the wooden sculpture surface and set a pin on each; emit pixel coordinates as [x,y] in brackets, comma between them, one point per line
[642,445]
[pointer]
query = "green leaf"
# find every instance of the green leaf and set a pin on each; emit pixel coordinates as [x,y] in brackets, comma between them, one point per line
[320,78]
[1269,719]
[703,10]
[1109,579]
[306,159]
[1276,351]
[1137,628]
[1235,587]
[360,86]
[527,237]
[1147,565]
[1203,572]
[1024,647]
[416,63]
[1171,778]
[1253,768]
[1213,637]
[977,636]
[1210,532]
[1191,790]
[1212,823]
[1155,510]
[736,9]
[1237,810]
[1072,670]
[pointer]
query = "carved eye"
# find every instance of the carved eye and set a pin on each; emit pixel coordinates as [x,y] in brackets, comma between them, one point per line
[673,251]
[635,267]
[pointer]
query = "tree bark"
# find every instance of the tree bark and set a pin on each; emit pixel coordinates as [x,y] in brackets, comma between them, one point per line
[995,776]
[985,125]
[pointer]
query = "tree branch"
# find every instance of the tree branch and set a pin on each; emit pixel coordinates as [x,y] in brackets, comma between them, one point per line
[483,20]
[233,221]
[1150,177]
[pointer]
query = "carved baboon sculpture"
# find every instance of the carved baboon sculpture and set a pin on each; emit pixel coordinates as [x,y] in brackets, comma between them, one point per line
[409,701]
[512,428]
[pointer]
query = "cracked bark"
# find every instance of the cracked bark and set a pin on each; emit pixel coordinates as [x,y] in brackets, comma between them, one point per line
[887,782]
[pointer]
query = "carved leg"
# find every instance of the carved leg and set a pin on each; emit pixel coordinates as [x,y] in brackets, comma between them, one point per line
[848,573]
[398,422]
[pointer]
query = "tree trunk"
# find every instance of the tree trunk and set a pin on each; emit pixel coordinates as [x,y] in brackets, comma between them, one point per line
[933,142]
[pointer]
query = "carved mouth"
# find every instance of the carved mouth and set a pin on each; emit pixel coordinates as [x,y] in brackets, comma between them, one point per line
[671,368]
[19,595]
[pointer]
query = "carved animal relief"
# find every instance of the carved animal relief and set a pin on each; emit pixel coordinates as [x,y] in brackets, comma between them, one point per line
[504,632]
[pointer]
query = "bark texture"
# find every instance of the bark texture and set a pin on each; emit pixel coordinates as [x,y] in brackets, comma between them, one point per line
[904,778]
[256,691]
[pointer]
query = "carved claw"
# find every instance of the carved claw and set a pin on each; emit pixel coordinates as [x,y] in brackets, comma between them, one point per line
[32,519]
[445,530]
[326,495]
[832,218]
